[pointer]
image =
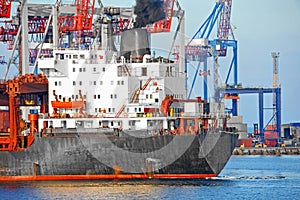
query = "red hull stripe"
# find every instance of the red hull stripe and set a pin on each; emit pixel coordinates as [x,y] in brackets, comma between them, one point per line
[100,177]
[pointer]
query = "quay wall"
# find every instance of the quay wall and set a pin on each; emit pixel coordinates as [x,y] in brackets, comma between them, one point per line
[276,151]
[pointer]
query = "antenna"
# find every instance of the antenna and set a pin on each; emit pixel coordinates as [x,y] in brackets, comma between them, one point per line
[275,56]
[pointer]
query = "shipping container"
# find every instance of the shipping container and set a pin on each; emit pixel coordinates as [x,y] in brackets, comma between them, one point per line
[271,142]
[245,142]
[270,135]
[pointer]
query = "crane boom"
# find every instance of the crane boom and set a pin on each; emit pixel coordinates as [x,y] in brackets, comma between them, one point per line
[82,20]
[224,23]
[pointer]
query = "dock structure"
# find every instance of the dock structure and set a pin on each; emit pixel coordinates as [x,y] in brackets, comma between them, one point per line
[269,151]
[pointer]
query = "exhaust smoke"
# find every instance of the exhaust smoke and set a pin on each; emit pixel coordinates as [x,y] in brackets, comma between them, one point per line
[148,12]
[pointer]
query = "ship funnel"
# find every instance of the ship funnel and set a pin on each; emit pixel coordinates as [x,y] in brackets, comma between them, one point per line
[134,44]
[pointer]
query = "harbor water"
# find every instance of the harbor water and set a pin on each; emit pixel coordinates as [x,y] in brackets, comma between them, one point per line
[244,177]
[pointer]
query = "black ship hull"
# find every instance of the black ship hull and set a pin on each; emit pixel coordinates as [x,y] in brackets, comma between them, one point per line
[109,156]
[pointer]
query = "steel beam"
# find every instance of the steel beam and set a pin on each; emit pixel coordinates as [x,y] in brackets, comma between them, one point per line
[261,115]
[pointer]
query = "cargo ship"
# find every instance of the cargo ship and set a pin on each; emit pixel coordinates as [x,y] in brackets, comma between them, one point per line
[103,111]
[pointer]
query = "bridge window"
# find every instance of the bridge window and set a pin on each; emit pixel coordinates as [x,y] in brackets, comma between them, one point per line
[144,71]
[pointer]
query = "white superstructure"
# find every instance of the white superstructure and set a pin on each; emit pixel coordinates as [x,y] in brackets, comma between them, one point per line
[106,87]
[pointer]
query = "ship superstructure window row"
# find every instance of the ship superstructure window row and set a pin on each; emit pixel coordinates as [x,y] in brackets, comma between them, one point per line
[97,96]
[111,110]
[149,96]
[57,83]
[82,69]
[120,82]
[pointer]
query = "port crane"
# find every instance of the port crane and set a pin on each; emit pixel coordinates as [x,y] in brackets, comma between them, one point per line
[201,47]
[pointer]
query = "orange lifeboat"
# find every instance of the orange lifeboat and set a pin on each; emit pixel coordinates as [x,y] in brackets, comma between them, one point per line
[67,104]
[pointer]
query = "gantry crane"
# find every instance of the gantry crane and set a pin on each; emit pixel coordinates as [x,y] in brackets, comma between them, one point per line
[201,46]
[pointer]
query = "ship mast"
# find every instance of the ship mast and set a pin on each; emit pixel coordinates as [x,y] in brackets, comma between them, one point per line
[24,54]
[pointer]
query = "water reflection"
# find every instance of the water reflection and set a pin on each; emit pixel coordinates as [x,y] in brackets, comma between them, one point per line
[154,189]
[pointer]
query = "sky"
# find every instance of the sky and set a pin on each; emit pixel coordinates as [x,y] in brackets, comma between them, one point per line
[262,27]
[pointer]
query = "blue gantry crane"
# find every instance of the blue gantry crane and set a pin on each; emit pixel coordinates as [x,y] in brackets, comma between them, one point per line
[201,47]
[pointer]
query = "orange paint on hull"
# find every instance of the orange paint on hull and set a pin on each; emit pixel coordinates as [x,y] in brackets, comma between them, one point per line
[105,177]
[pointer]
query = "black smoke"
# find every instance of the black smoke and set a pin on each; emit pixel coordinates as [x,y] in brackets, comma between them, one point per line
[148,12]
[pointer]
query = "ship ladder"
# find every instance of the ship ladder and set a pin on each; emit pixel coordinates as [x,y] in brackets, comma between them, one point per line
[147,83]
[137,92]
[120,111]
[135,96]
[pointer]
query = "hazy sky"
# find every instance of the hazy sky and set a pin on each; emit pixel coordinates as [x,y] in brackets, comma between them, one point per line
[263,26]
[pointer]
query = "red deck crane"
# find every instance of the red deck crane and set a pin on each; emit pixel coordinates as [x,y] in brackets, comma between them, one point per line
[82,20]
[163,25]
[5,7]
